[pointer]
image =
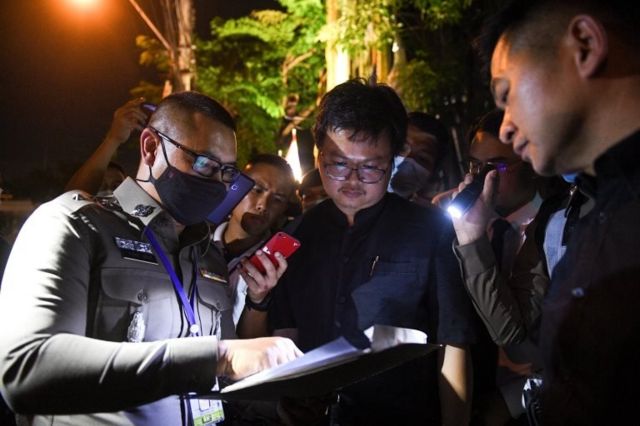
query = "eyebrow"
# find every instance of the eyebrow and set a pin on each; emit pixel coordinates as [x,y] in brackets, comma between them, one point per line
[262,187]
[492,87]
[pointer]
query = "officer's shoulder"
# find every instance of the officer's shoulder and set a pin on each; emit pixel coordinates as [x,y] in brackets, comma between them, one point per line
[72,200]
[76,200]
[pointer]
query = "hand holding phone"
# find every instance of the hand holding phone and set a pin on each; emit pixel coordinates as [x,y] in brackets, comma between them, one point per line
[282,243]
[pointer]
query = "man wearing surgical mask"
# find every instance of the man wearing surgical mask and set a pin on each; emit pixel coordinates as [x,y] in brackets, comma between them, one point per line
[122,304]
[427,164]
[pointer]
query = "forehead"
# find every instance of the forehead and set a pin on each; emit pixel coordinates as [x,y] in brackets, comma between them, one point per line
[502,61]
[420,138]
[362,148]
[485,147]
[270,177]
[206,135]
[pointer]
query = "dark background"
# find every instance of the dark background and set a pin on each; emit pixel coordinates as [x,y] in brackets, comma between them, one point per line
[64,71]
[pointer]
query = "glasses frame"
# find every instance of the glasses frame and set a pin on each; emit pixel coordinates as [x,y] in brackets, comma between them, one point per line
[221,168]
[351,170]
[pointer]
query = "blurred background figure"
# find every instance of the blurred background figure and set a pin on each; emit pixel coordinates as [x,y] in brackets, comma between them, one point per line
[113,177]
[311,191]
[98,173]
[428,163]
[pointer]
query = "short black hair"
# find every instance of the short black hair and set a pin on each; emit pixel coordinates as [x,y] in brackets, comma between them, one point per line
[366,110]
[309,180]
[428,123]
[488,123]
[193,102]
[116,166]
[272,160]
[538,24]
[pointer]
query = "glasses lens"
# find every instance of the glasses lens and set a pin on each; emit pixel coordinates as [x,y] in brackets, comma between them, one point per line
[205,166]
[229,173]
[337,171]
[370,174]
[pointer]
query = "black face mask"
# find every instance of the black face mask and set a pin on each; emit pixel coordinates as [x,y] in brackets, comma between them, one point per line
[189,199]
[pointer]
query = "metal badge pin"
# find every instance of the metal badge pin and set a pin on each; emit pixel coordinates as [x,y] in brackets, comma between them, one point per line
[135,332]
[194,329]
[142,210]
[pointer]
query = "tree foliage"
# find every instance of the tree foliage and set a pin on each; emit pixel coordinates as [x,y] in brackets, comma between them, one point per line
[251,64]
[377,23]
[152,55]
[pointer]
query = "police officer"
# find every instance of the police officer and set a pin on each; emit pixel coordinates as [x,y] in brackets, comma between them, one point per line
[110,312]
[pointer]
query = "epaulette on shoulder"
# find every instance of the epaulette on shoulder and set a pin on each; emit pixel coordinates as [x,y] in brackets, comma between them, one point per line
[74,200]
[111,204]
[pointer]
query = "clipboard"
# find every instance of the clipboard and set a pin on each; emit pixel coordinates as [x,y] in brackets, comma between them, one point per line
[331,367]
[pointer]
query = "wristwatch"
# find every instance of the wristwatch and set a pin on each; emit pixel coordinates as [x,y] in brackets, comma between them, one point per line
[263,306]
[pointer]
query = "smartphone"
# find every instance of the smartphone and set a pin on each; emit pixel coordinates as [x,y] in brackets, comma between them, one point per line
[281,242]
[148,107]
[237,190]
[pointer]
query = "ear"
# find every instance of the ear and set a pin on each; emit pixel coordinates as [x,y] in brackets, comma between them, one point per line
[148,147]
[590,44]
[406,150]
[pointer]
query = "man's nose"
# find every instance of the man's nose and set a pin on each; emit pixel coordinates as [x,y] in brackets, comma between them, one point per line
[353,176]
[507,130]
[261,204]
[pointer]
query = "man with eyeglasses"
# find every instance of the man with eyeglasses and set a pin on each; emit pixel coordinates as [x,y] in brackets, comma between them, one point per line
[369,257]
[486,248]
[112,313]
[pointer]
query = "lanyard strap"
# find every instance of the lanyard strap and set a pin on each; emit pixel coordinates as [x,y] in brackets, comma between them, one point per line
[188,305]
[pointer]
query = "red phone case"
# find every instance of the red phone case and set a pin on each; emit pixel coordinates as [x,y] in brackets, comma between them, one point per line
[281,242]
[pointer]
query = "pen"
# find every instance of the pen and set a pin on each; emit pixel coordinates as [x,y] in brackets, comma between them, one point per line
[373,265]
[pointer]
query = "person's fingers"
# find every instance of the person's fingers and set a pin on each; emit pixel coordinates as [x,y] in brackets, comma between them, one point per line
[282,265]
[269,268]
[258,284]
[468,178]
[490,186]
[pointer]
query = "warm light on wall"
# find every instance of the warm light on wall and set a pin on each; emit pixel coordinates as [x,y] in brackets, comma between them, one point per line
[84,4]
[293,158]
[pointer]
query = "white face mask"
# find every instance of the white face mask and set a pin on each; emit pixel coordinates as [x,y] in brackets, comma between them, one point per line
[408,177]
[397,160]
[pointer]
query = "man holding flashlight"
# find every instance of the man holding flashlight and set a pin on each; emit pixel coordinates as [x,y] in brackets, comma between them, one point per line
[567,75]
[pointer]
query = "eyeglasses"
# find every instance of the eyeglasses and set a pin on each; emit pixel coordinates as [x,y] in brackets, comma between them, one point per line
[341,171]
[501,166]
[203,164]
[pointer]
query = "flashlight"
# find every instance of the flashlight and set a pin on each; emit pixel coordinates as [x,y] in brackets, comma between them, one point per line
[465,198]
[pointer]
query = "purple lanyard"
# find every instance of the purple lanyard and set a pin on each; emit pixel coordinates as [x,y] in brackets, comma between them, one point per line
[188,305]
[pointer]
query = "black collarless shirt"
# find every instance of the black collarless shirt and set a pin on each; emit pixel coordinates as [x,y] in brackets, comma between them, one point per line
[394,266]
[604,242]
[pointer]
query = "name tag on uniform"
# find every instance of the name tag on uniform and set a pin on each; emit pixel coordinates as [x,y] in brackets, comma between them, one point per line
[136,250]
[206,412]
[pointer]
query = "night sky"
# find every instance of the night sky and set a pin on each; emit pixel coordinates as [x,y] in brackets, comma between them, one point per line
[63,73]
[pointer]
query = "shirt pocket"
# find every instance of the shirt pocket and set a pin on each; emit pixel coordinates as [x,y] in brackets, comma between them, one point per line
[125,291]
[393,267]
[392,295]
[214,308]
